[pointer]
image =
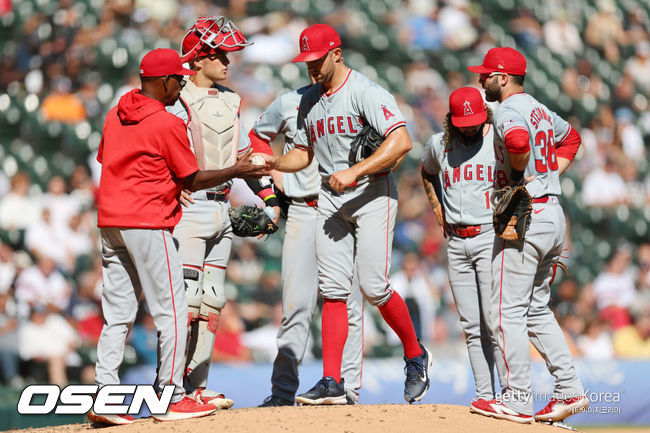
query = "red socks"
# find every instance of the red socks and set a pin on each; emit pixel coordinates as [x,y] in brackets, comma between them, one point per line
[335,332]
[396,314]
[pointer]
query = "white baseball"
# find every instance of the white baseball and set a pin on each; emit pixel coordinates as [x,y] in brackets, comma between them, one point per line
[258,160]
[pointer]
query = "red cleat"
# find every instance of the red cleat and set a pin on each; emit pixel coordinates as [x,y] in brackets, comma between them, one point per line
[185,409]
[557,410]
[496,409]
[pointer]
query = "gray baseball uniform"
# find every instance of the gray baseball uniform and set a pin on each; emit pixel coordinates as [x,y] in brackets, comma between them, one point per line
[522,270]
[299,270]
[362,218]
[144,152]
[204,235]
[467,176]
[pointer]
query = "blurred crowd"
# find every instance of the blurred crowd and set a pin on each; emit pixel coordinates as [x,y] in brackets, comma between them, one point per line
[65,63]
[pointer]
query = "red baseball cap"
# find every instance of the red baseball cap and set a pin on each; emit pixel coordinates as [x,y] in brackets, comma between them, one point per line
[502,59]
[467,107]
[316,41]
[161,62]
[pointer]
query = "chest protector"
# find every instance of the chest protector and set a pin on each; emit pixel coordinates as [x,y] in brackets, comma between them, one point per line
[217,108]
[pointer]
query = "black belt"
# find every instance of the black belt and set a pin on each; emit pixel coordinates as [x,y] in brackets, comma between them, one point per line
[310,200]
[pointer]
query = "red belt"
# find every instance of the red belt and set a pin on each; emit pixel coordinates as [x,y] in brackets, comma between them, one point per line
[542,199]
[311,201]
[466,231]
[373,176]
[218,196]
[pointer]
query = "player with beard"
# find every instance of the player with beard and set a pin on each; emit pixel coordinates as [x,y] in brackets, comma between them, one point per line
[458,175]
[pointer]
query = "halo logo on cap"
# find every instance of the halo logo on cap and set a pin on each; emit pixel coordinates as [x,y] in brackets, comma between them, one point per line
[305,44]
[468,108]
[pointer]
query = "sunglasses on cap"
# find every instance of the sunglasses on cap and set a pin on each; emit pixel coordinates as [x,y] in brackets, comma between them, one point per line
[179,78]
[484,76]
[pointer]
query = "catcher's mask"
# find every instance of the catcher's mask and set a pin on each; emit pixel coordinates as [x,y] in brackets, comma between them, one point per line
[209,34]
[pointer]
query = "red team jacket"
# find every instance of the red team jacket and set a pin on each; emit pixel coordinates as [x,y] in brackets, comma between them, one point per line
[144,152]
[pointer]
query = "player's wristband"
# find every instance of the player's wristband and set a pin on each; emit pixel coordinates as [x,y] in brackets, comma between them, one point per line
[516,175]
[269,197]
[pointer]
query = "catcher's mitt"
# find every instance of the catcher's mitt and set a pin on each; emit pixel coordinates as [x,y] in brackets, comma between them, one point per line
[250,221]
[364,144]
[512,207]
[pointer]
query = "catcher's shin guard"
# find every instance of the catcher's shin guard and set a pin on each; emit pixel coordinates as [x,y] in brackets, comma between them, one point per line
[200,347]
[203,331]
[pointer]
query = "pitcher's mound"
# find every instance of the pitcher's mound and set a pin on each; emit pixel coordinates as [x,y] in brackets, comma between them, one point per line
[361,418]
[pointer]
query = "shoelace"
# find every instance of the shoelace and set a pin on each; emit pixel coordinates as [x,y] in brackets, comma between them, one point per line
[324,385]
[414,370]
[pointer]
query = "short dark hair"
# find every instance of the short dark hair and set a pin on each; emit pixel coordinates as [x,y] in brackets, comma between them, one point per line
[518,79]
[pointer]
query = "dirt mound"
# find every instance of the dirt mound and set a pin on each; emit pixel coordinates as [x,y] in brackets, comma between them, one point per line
[330,419]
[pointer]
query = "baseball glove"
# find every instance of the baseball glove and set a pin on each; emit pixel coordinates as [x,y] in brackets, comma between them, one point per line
[364,144]
[512,207]
[250,221]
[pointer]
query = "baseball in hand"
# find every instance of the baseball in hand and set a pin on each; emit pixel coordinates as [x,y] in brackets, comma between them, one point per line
[258,160]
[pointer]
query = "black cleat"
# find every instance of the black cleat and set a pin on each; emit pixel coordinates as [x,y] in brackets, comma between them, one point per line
[417,376]
[274,401]
[326,391]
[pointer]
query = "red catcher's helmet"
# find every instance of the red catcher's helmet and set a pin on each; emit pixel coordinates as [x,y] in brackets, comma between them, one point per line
[209,34]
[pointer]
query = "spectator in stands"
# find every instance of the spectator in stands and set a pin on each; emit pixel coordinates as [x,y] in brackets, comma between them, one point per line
[421,29]
[228,344]
[633,341]
[526,29]
[456,26]
[77,241]
[604,187]
[628,136]
[41,285]
[144,339]
[636,24]
[84,310]
[596,343]
[261,341]
[567,295]
[419,294]
[246,268]
[605,31]
[44,239]
[643,276]
[48,338]
[82,189]
[9,358]
[61,205]
[19,209]
[561,36]
[614,288]
[61,105]
[639,65]
[8,268]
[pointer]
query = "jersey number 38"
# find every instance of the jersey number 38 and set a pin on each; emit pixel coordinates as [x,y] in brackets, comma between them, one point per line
[545,158]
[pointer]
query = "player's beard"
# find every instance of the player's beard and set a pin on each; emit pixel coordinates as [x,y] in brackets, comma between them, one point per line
[472,138]
[492,91]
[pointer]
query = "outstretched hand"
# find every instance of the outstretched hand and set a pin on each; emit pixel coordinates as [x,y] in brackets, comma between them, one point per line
[246,169]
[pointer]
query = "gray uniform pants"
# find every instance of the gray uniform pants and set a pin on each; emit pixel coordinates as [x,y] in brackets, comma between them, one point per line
[470,276]
[356,227]
[520,312]
[137,262]
[299,294]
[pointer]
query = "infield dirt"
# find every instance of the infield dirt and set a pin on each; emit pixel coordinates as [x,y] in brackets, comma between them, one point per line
[326,419]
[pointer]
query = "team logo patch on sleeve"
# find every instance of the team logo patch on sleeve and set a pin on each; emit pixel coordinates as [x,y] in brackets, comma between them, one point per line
[387,113]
